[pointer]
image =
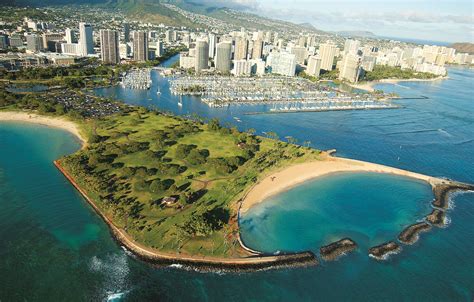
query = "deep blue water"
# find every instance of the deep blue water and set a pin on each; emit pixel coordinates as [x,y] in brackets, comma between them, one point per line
[54,248]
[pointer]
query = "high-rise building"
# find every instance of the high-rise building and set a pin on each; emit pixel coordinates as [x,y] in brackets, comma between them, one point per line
[302,41]
[327,52]
[16,41]
[34,43]
[109,46]
[350,68]
[300,53]
[48,37]
[212,45]
[169,35]
[201,61]
[241,48]
[186,61]
[368,63]
[351,46]
[242,68]
[3,41]
[282,63]
[71,49]
[314,66]
[223,56]
[124,50]
[86,39]
[70,36]
[140,46]
[126,32]
[257,50]
[159,48]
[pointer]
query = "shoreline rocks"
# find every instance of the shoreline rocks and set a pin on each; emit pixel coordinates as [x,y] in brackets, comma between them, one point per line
[441,193]
[436,217]
[410,234]
[336,249]
[199,263]
[382,251]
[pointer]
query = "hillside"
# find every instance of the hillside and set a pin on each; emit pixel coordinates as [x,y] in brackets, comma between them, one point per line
[193,14]
[464,47]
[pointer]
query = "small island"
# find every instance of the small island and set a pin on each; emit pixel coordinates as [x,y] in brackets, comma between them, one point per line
[336,249]
[381,252]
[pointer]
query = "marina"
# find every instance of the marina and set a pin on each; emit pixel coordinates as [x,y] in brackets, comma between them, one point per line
[137,79]
[283,93]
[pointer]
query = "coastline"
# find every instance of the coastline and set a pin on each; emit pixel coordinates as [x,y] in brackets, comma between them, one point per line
[369,85]
[295,175]
[270,185]
[252,262]
[33,118]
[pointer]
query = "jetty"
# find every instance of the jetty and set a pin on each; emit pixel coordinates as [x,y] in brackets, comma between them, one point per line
[336,249]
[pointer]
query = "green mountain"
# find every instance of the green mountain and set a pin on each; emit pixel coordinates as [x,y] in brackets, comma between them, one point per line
[168,12]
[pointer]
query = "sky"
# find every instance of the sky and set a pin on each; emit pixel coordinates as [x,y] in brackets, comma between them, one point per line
[435,20]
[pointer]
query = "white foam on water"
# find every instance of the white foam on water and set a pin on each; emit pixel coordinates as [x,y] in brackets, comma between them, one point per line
[387,255]
[176,265]
[114,267]
[112,297]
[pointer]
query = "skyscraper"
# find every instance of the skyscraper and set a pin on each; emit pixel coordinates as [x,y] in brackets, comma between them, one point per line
[159,48]
[140,46]
[109,46]
[70,36]
[126,32]
[241,48]
[351,46]
[223,56]
[212,45]
[201,61]
[327,52]
[34,43]
[257,50]
[350,68]
[86,40]
[314,66]
[300,53]
[282,63]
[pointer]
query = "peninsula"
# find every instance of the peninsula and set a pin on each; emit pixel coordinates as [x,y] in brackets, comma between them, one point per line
[172,190]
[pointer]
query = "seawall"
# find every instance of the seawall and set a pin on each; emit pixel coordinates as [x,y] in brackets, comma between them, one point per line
[201,263]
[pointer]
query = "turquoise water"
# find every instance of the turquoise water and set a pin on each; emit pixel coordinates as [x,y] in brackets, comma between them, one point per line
[367,207]
[54,248]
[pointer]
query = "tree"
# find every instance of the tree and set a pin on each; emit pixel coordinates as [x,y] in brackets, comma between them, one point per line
[214,124]
[157,186]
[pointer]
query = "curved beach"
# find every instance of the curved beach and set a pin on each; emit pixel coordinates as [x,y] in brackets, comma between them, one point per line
[56,122]
[369,86]
[294,175]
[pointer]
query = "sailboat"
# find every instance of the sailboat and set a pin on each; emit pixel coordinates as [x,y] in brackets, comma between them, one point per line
[180,102]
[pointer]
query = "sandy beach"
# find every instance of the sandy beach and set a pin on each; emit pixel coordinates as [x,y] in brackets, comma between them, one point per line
[369,86]
[56,122]
[294,175]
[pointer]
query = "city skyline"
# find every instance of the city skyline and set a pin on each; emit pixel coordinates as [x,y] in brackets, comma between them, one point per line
[447,21]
